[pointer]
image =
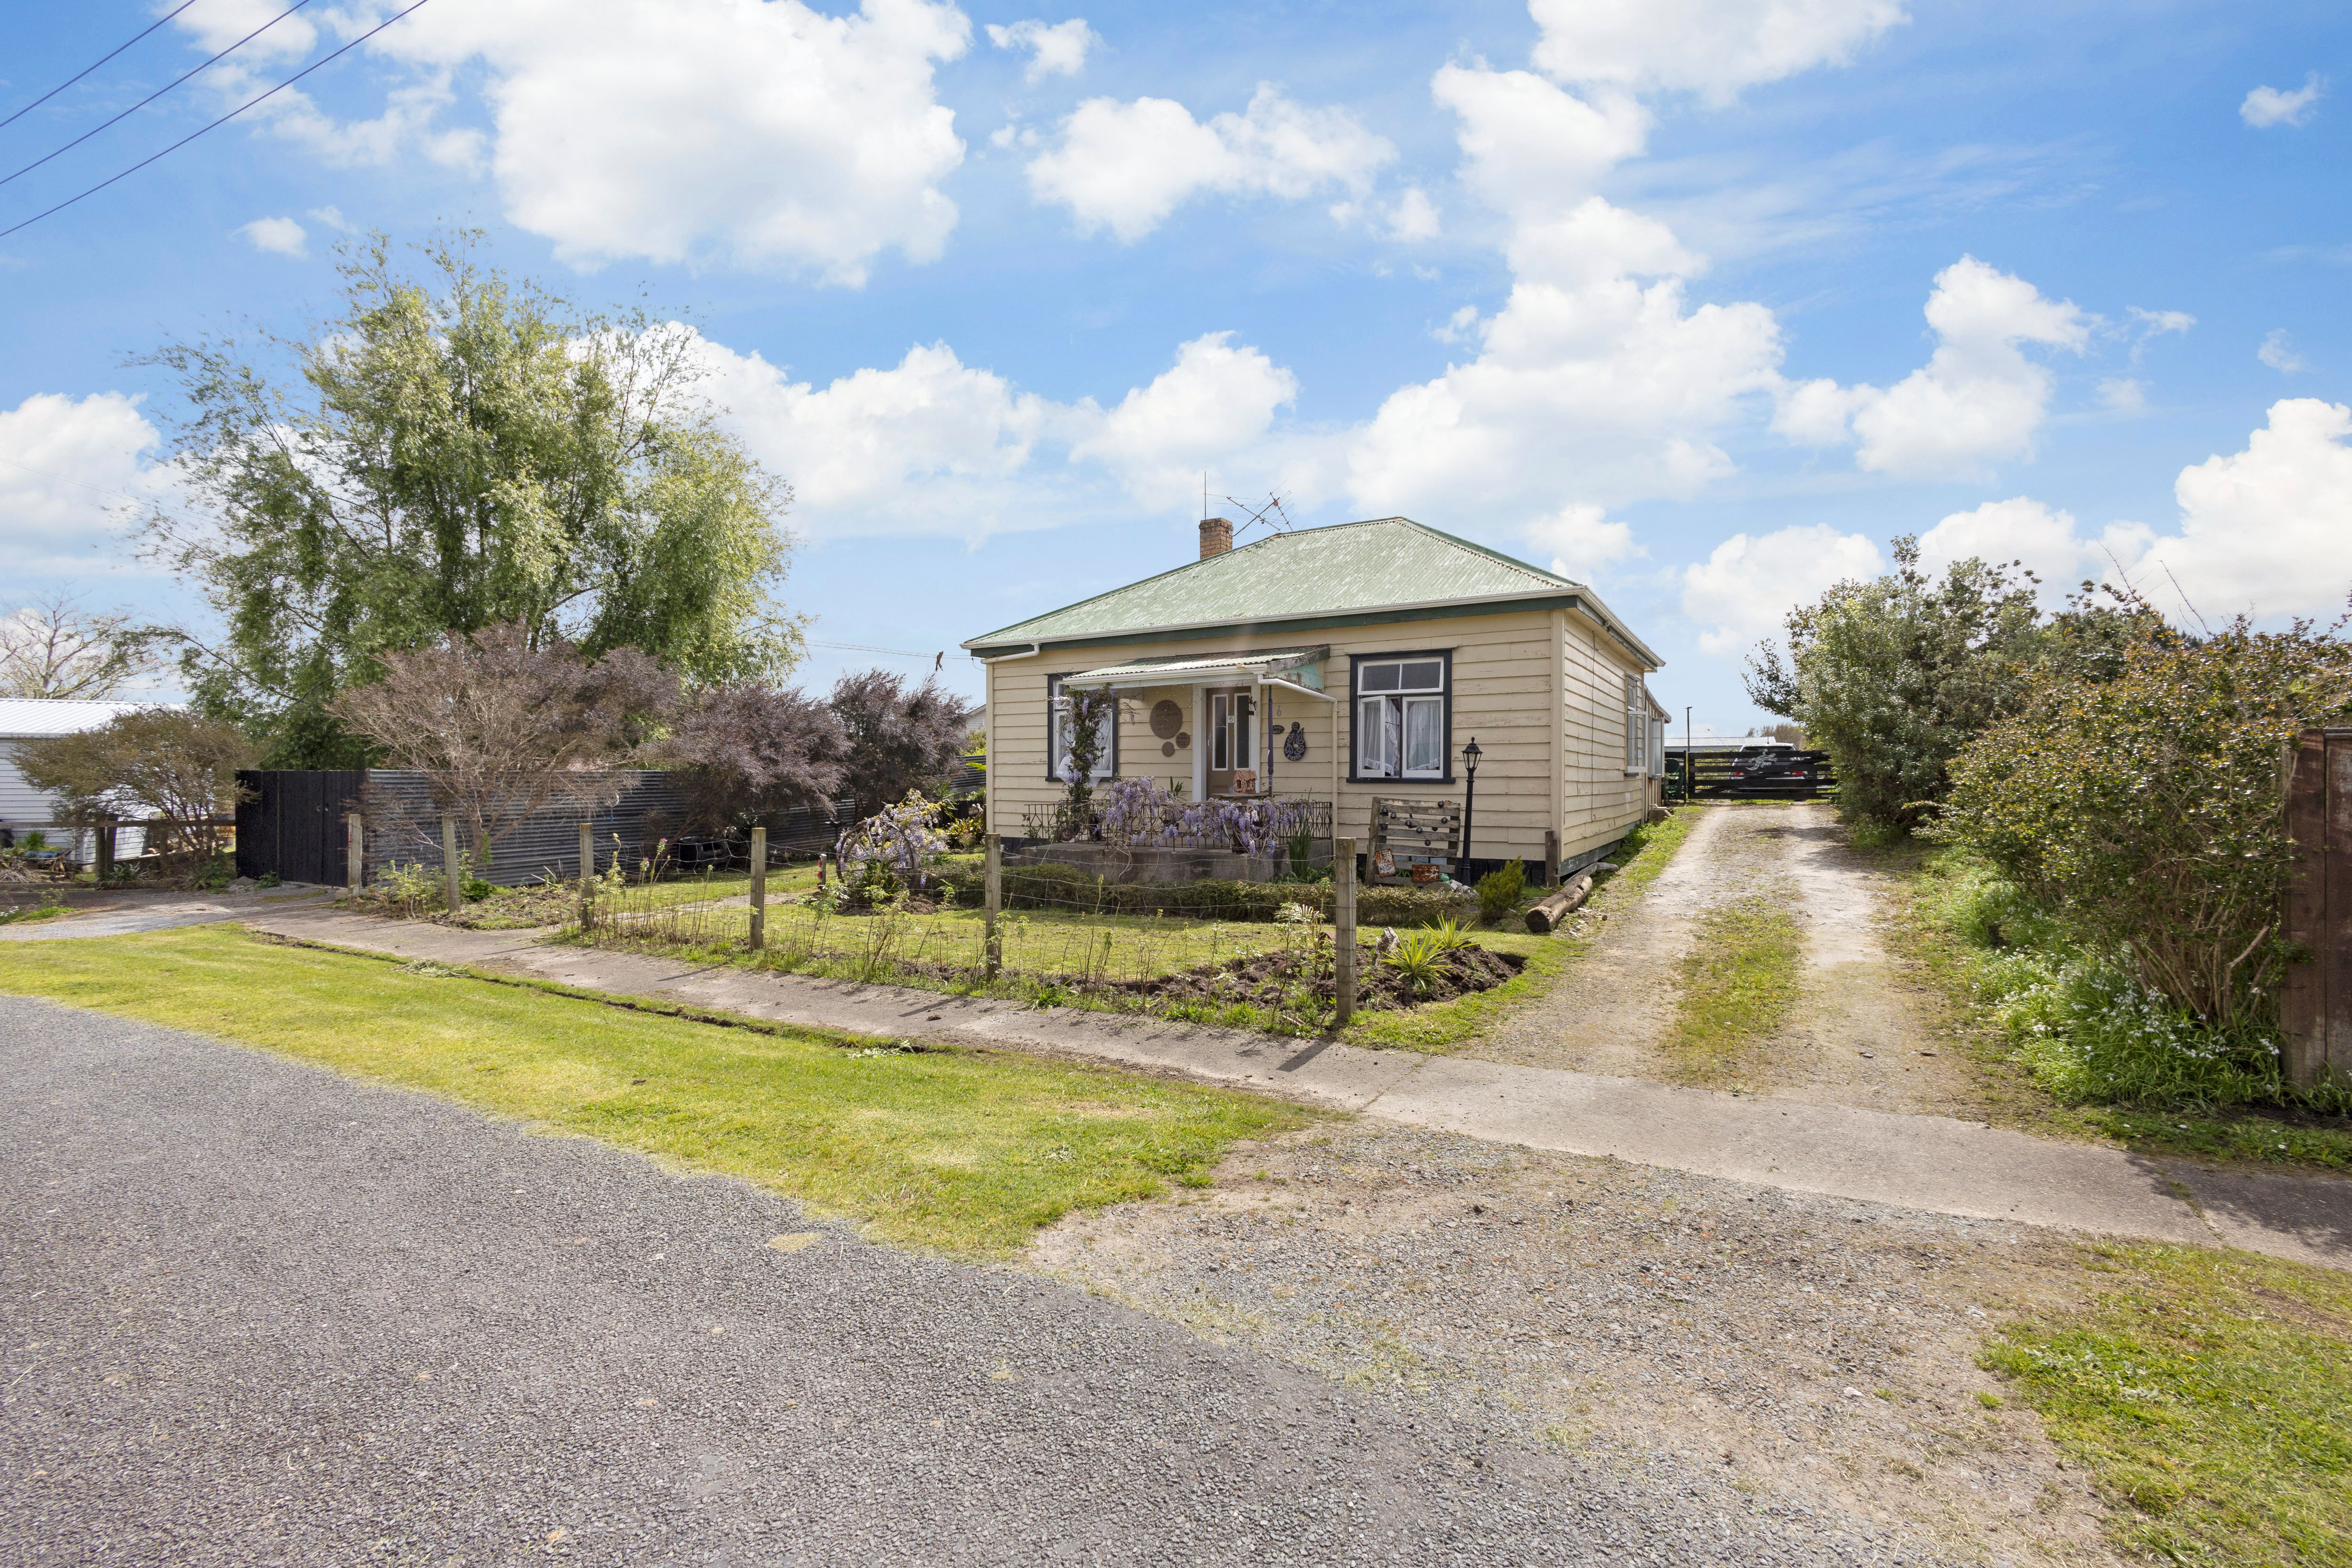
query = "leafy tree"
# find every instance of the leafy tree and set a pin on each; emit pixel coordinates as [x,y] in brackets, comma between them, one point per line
[51,647]
[453,452]
[503,727]
[741,753]
[2141,806]
[1894,676]
[171,768]
[900,735]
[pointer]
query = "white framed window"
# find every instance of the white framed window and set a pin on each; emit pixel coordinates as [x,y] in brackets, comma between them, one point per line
[1402,717]
[1637,726]
[1057,736]
[1657,748]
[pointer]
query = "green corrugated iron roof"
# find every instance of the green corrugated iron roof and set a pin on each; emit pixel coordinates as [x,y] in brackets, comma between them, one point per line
[1346,568]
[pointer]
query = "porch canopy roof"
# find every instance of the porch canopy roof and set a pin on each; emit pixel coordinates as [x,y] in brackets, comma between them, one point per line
[1266,663]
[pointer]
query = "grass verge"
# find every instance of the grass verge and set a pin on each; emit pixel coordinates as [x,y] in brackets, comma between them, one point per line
[1929,946]
[37,913]
[2205,1392]
[1449,1026]
[961,1151]
[1739,982]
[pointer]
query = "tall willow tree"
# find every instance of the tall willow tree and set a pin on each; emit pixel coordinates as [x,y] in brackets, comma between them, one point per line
[454,451]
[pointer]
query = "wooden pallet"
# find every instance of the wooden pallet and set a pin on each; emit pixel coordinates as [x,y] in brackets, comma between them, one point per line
[1413,830]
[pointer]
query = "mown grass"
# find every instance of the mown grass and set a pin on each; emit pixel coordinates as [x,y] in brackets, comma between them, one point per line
[965,1153]
[2206,1392]
[1448,1027]
[1739,983]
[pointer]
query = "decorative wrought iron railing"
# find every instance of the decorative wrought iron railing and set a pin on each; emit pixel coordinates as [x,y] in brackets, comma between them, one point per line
[1248,824]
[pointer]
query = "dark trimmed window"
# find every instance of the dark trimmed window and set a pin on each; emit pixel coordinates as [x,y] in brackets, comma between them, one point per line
[1402,716]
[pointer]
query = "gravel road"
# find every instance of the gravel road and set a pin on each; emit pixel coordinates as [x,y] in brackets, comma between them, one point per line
[255,1313]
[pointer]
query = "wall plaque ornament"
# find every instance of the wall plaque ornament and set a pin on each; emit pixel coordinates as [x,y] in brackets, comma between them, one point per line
[1166,718]
[1294,745]
[1167,748]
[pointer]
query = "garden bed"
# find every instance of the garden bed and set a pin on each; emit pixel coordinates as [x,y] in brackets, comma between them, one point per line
[1271,980]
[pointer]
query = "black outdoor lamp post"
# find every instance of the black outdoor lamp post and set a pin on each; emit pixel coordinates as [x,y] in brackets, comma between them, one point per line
[1470,754]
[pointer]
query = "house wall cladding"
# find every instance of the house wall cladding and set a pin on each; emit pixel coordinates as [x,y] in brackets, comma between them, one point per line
[1541,690]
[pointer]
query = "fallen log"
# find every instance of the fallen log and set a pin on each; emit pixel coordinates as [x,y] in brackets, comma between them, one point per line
[1543,917]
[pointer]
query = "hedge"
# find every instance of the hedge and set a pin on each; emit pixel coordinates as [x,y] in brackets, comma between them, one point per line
[1055,885]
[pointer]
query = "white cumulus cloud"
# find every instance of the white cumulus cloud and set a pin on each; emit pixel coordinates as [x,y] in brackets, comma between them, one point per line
[1978,397]
[1057,49]
[1125,166]
[2268,530]
[1744,591]
[278,236]
[1712,47]
[2268,106]
[1216,400]
[70,471]
[932,446]
[759,132]
[1581,539]
[1414,216]
[2039,537]
[2278,353]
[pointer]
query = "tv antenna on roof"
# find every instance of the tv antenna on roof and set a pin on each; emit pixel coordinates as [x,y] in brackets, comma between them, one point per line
[1270,516]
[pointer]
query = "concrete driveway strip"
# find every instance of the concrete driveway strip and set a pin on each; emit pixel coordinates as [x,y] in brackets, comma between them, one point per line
[257,1313]
[1931,1162]
[161,914]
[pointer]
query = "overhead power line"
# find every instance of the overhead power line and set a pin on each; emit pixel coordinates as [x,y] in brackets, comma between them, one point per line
[216,124]
[160,91]
[892,652]
[44,98]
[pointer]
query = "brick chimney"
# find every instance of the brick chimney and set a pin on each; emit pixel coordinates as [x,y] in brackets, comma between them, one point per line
[1217,536]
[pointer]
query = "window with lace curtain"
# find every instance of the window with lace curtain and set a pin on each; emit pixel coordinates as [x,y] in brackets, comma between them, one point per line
[1403,716]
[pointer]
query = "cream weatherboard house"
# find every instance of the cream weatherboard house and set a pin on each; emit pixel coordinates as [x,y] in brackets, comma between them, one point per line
[1346,664]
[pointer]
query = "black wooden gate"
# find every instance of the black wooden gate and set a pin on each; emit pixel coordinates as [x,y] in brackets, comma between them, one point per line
[291,823]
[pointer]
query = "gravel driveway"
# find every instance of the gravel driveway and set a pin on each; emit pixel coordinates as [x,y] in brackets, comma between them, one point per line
[257,1313]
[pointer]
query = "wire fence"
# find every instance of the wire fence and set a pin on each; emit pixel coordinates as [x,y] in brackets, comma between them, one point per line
[1259,956]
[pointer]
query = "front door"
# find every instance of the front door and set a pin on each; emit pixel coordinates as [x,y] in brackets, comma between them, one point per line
[1232,728]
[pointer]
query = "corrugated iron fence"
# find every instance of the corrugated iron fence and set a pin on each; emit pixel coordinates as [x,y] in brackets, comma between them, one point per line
[2316,1009]
[292,825]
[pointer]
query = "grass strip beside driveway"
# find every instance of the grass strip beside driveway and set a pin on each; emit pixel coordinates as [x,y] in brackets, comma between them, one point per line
[1739,984]
[967,1153]
[2206,1391]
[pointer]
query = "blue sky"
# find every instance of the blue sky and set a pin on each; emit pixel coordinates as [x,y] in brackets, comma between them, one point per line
[1705,300]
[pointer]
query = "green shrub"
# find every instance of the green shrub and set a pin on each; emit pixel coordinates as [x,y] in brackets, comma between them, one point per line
[1894,676]
[2091,1032]
[2143,811]
[1499,890]
[1056,885]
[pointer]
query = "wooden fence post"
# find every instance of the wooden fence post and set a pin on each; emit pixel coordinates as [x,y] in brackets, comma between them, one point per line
[1551,857]
[1343,932]
[993,885]
[759,888]
[354,851]
[587,876]
[454,878]
[2316,1003]
[102,848]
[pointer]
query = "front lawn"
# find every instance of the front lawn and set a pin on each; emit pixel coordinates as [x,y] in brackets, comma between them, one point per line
[2206,1392]
[968,1153]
